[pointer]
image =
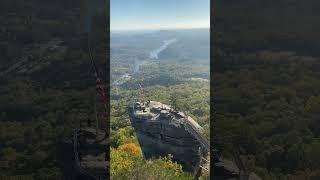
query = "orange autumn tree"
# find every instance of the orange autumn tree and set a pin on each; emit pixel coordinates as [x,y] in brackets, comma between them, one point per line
[131,148]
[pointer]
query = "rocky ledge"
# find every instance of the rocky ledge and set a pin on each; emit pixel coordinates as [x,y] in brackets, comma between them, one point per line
[162,131]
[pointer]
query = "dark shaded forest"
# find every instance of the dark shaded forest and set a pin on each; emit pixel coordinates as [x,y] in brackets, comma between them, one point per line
[45,83]
[266,86]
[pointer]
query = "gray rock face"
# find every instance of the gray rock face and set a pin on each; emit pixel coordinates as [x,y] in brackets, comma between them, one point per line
[89,146]
[162,131]
[225,169]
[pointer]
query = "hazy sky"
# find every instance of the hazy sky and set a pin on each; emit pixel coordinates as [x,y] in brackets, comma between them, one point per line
[159,14]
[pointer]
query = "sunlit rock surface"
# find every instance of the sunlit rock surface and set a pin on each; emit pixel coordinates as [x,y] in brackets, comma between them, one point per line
[162,131]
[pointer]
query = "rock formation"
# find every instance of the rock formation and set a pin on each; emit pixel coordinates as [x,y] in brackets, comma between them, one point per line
[162,131]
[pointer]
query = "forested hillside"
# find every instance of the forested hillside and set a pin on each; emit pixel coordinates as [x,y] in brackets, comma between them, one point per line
[266,86]
[47,85]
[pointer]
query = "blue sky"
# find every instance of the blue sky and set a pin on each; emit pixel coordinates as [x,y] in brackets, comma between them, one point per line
[159,14]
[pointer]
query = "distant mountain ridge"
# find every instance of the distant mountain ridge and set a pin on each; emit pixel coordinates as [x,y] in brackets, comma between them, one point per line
[192,45]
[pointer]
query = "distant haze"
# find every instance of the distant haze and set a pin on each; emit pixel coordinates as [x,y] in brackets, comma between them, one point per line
[188,46]
[159,14]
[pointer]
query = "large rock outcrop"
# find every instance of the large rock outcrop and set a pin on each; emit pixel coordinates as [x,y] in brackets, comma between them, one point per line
[162,131]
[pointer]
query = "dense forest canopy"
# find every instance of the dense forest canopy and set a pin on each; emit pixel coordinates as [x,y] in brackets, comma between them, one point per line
[266,86]
[48,85]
